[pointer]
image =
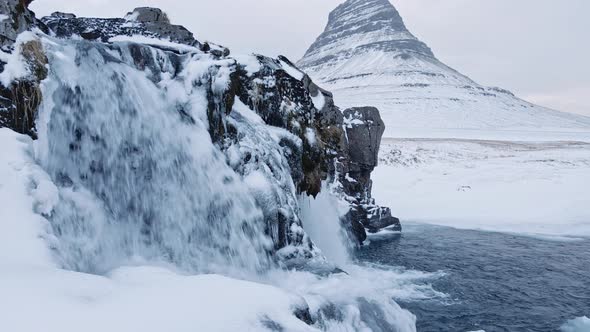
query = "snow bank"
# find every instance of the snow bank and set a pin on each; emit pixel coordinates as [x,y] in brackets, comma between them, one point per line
[141,299]
[24,188]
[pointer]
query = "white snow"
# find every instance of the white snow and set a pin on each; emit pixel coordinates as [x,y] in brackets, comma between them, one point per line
[580,324]
[310,136]
[139,39]
[23,187]
[3,17]
[352,121]
[292,71]
[540,189]
[247,113]
[349,179]
[319,101]
[140,299]
[16,66]
[132,16]
[250,62]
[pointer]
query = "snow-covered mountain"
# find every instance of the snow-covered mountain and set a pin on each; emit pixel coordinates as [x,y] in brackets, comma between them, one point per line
[367,56]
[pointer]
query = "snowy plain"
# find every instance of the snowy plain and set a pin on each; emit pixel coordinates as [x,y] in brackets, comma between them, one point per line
[532,188]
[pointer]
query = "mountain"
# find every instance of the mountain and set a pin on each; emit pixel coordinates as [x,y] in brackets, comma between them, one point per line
[367,56]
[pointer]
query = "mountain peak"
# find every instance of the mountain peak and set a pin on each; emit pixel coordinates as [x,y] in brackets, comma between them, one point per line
[368,14]
[367,56]
[360,25]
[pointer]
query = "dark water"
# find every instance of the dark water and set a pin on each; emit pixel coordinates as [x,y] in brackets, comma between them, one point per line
[495,282]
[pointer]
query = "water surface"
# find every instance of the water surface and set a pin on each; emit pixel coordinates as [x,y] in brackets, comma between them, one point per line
[494,281]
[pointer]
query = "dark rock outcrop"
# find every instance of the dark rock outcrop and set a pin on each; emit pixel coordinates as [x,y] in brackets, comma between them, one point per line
[364,129]
[20,99]
[345,155]
[148,22]
[148,14]
[63,15]
[15,18]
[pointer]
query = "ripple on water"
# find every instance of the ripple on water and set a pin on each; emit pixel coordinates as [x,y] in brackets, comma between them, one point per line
[493,281]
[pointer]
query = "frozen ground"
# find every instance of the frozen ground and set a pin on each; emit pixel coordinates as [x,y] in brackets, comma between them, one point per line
[535,188]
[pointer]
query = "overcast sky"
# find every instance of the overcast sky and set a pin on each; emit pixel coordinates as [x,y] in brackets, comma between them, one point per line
[539,49]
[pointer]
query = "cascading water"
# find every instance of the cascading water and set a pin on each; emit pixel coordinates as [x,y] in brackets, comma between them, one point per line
[321,219]
[138,174]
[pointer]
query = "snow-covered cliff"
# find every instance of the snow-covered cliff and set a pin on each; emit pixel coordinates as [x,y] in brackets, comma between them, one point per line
[170,149]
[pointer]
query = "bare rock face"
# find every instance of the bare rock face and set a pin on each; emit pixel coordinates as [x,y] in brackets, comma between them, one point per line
[148,14]
[15,18]
[364,129]
[63,15]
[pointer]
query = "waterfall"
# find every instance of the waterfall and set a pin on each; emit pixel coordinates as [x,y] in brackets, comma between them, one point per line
[321,220]
[142,183]
[139,177]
